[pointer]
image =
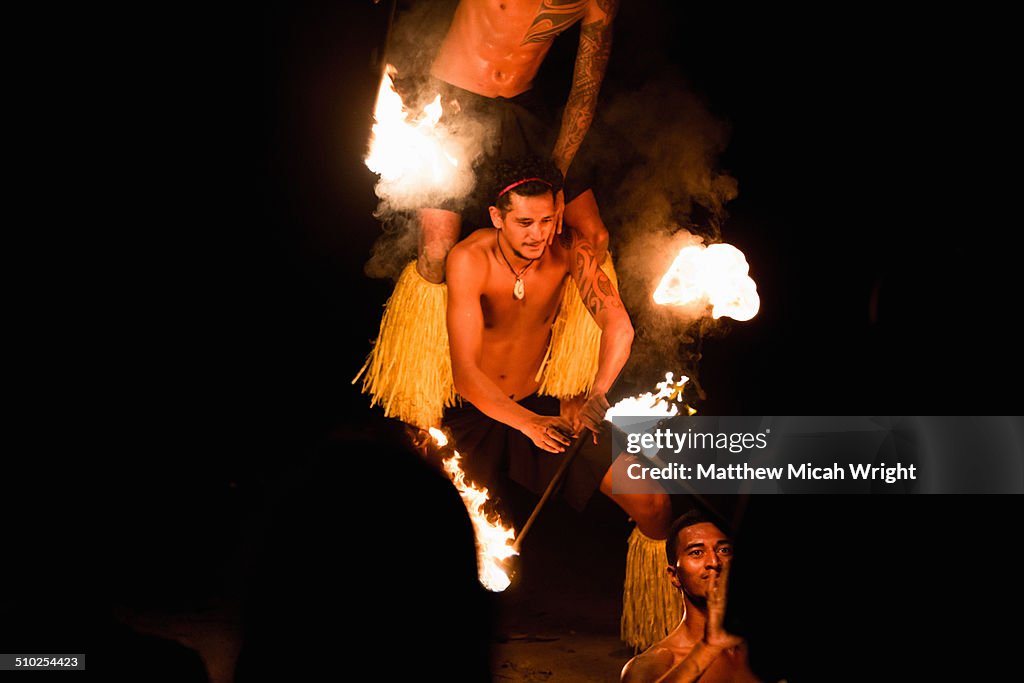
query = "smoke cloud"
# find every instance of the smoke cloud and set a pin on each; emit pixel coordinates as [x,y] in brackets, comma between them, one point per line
[664,145]
[415,38]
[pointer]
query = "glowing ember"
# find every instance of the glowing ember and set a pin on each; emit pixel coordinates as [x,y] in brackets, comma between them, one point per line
[659,404]
[716,274]
[493,539]
[410,154]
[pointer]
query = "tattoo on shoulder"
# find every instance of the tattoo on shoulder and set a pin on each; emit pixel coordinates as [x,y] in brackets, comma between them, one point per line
[596,289]
[609,7]
[554,17]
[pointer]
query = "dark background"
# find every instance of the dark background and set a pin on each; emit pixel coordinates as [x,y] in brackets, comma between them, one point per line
[870,210]
[869,144]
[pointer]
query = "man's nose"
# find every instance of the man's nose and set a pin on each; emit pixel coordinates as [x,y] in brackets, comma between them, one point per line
[714,562]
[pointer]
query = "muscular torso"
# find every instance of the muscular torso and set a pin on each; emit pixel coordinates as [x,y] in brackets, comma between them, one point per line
[495,47]
[516,332]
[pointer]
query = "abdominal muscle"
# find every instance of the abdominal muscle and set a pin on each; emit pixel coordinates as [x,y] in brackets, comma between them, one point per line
[512,363]
[482,51]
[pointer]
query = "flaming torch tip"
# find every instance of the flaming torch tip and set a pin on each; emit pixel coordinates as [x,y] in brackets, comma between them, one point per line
[493,539]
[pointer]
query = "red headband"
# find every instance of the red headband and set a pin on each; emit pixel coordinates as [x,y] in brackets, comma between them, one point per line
[520,182]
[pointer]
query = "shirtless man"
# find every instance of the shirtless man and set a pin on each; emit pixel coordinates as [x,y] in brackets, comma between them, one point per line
[489,57]
[504,287]
[699,649]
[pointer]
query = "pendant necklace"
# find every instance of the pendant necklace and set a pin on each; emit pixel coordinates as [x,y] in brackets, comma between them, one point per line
[518,291]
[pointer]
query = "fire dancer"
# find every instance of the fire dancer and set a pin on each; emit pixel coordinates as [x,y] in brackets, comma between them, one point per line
[699,649]
[485,69]
[504,288]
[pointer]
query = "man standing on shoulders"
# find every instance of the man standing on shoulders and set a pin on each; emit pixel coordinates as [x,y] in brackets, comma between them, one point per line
[484,70]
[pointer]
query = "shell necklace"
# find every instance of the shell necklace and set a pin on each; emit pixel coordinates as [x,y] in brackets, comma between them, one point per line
[518,291]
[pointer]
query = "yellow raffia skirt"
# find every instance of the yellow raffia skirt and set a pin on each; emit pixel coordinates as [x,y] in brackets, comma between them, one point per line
[651,605]
[409,370]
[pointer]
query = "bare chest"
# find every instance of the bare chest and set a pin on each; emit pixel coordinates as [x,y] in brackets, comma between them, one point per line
[523,24]
[529,316]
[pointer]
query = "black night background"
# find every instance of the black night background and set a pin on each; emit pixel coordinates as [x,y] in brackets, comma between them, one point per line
[876,217]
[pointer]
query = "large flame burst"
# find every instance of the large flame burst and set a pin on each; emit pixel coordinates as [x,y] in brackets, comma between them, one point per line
[410,154]
[716,274]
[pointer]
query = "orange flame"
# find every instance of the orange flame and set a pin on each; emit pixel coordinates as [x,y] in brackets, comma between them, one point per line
[410,154]
[662,403]
[493,539]
[659,404]
[716,274]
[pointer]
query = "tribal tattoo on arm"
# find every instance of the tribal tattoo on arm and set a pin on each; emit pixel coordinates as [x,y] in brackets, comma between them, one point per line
[591,63]
[596,289]
[554,17]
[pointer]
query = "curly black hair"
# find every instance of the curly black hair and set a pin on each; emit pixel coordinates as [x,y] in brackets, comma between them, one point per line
[506,173]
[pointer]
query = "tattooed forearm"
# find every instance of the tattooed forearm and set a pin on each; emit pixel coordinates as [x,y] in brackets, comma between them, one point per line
[591,63]
[554,17]
[596,289]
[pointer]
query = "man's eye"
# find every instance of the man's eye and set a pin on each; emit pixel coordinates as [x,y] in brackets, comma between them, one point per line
[696,553]
[725,551]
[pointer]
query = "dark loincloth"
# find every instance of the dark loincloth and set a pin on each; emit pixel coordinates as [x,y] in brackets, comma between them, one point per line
[491,448]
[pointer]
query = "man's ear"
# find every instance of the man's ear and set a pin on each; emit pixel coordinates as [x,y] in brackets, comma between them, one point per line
[496,219]
[672,576]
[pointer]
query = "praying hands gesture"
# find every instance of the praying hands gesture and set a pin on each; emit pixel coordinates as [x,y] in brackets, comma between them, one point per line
[715,635]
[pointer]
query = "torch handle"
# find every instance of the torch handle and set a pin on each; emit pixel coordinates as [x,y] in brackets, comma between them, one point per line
[383,60]
[570,455]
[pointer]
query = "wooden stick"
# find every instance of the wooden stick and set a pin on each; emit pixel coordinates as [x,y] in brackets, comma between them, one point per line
[570,454]
[387,38]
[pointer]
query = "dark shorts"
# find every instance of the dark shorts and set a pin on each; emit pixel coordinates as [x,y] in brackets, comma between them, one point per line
[490,449]
[521,126]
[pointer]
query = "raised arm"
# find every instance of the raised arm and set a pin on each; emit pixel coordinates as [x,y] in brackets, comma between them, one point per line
[466,273]
[591,62]
[603,302]
[653,667]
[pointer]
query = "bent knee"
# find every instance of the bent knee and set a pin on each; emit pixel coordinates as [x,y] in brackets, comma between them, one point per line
[432,260]
[653,514]
[655,506]
[431,270]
